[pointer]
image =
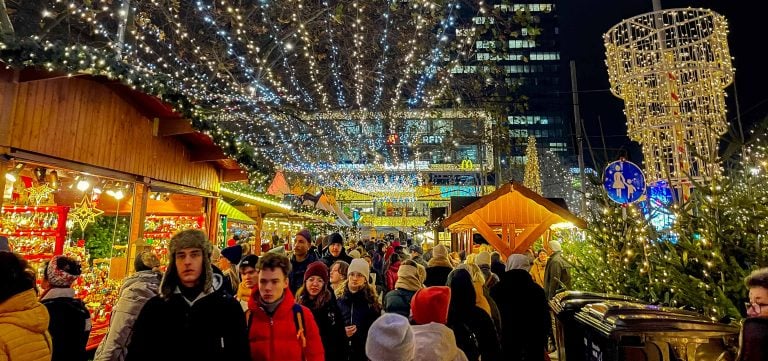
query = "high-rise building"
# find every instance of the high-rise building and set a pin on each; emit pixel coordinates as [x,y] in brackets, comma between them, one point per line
[528,63]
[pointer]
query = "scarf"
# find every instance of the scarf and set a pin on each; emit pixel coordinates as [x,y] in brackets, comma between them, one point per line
[57,292]
[410,278]
[439,261]
[270,308]
[480,300]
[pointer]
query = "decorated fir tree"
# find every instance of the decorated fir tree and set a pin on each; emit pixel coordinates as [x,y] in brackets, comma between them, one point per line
[532,173]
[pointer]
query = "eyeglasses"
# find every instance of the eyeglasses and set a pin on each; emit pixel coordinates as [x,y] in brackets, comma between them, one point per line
[754,306]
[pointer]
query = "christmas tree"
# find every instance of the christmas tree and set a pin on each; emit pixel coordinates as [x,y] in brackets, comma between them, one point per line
[532,173]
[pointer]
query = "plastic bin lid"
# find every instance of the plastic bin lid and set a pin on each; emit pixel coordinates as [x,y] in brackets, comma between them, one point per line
[575,300]
[623,316]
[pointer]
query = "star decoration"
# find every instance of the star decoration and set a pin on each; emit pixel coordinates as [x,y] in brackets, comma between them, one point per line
[84,213]
[39,193]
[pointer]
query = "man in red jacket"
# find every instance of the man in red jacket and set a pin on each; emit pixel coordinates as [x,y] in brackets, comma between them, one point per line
[279,328]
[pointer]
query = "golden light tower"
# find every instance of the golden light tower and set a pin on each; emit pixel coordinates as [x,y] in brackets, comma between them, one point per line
[671,68]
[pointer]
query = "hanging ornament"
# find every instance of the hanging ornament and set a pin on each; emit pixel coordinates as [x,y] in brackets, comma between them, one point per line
[84,213]
[38,194]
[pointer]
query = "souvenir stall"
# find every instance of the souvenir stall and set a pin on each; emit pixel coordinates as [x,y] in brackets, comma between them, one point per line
[99,171]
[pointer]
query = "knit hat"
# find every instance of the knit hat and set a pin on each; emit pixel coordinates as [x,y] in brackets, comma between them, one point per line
[62,271]
[416,248]
[483,258]
[249,261]
[390,338]
[305,233]
[354,254]
[555,246]
[440,251]
[518,261]
[335,238]
[358,265]
[233,254]
[145,261]
[317,268]
[190,238]
[431,305]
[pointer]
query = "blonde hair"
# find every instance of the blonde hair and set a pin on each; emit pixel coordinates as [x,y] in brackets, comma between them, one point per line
[474,271]
[470,258]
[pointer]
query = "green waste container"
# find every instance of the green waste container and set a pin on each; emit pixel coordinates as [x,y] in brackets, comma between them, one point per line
[617,330]
[568,333]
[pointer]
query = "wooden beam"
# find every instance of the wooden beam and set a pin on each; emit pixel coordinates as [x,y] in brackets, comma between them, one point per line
[233,175]
[9,91]
[172,126]
[526,239]
[207,154]
[486,231]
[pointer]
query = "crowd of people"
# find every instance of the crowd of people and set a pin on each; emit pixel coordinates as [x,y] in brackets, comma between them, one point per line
[376,300]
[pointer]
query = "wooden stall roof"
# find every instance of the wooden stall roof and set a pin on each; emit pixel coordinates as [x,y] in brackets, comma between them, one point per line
[233,214]
[510,209]
[96,121]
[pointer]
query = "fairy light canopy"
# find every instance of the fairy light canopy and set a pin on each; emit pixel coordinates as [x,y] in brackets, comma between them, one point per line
[248,73]
[671,68]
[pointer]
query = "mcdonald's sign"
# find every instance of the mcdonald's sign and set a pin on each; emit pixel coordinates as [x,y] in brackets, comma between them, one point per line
[467,165]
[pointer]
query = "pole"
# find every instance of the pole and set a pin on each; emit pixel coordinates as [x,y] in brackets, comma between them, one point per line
[579,138]
[122,25]
[738,118]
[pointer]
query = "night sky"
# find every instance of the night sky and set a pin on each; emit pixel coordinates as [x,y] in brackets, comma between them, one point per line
[583,23]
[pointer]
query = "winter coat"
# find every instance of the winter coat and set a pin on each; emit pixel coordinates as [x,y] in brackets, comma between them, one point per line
[329,259]
[296,276]
[556,276]
[378,261]
[537,272]
[399,301]
[274,337]
[473,327]
[24,329]
[391,275]
[435,342]
[359,312]
[418,259]
[491,279]
[330,321]
[211,327]
[69,326]
[437,272]
[522,302]
[136,290]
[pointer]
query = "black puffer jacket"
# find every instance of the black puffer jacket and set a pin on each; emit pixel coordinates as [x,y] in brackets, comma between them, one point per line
[359,312]
[330,321]
[523,306]
[473,327]
[70,326]
[329,259]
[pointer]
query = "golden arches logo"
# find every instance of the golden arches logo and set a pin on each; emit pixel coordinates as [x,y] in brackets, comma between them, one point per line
[467,164]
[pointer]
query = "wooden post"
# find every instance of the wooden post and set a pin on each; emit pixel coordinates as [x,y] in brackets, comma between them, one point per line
[138,214]
[212,219]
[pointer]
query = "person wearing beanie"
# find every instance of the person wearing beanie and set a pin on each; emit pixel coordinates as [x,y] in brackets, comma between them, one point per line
[539,267]
[525,307]
[410,278]
[355,254]
[359,305]
[230,258]
[279,328]
[556,275]
[317,295]
[390,338]
[433,340]
[249,275]
[336,251]
[483,261]
[438,267]
[136,290]
[474,329]
[301,259]
[70,321]
[188,320]
[23,319]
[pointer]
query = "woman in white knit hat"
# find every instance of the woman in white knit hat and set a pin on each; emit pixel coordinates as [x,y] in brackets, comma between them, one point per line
[359,305]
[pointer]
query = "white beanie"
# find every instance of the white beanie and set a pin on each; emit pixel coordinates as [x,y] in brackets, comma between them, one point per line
[555,246]
[354,254]
[390,338]
[483,259]
[358,265]
[440,251]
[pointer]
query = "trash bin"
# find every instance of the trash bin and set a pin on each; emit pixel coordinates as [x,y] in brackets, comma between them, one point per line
[617,330]
[568,333]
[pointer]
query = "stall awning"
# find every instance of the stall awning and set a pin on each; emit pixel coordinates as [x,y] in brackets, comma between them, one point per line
[511,218]
[233,214]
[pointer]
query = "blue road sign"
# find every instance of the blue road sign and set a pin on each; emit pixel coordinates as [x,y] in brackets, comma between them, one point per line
[624,182]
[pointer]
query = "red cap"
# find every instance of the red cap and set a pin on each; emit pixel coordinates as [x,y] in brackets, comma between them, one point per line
[431,305]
